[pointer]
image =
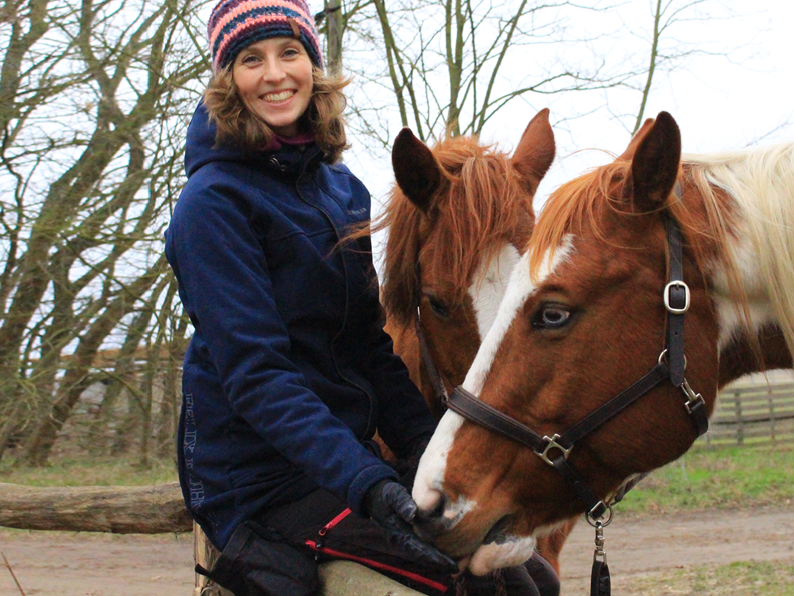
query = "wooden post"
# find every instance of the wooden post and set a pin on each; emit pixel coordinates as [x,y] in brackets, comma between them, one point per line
[739,421]
[205,554]
[336,25]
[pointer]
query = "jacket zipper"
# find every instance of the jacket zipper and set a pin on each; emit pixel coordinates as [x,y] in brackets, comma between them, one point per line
[371,397]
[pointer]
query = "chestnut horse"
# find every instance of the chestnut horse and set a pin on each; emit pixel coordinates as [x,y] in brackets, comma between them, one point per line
[458,220]
[608,294]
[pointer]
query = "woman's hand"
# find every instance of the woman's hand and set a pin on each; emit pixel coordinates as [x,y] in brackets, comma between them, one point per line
[388,503]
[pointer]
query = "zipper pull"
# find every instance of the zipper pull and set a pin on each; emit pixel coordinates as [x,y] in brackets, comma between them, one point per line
[275,163]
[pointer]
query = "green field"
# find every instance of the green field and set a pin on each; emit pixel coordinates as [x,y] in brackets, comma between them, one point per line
[736,579]
[83,472]
[703,478]
[723,478]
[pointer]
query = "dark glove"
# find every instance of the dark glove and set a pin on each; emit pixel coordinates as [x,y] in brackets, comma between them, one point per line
[389,504]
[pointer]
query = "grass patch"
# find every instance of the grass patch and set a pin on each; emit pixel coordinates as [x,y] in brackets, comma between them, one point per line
[702,479]
[724,478]
[774,578]
[90,472]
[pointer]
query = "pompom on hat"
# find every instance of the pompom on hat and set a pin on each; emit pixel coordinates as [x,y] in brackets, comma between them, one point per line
[236,24]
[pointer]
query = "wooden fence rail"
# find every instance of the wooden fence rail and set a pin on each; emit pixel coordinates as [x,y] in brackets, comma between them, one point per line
[753,415]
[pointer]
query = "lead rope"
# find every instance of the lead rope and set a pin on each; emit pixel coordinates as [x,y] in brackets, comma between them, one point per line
[600,583]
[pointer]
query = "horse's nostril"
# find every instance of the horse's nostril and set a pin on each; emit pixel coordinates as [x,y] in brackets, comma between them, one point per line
[431,523]
[429,515]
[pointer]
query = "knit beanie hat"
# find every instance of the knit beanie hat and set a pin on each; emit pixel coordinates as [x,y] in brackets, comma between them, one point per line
[236,24]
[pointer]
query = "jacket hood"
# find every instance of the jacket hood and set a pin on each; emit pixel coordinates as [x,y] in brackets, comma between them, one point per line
[200,146]
[201,149]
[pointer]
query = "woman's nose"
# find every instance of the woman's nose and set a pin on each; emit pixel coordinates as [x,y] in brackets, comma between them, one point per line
[273,71]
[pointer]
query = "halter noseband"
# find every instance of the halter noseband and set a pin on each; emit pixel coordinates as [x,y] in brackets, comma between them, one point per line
[555,450]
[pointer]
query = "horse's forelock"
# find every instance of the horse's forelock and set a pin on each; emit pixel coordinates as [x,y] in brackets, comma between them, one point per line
[574,206]
[479,203]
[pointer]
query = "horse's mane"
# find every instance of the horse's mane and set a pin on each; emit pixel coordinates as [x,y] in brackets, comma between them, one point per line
[479,202]
[760,182]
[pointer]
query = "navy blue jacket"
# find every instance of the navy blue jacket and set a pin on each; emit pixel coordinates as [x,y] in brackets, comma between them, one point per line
[289,368]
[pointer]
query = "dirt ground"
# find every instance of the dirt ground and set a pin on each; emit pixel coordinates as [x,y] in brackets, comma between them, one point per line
[59,564]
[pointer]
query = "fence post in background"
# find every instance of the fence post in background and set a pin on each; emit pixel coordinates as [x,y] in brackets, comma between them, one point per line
[739,420]
[771,414]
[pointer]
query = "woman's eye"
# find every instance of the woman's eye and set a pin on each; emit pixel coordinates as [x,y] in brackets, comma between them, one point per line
[438,307]
[551,317]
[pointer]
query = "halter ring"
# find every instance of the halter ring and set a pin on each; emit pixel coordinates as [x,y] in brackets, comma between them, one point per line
[664,353]
[595,520]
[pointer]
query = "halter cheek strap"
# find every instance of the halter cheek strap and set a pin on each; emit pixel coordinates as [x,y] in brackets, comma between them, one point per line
[439,388]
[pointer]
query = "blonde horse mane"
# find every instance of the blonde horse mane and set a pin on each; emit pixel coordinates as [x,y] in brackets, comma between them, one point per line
[480,201]
[760,185]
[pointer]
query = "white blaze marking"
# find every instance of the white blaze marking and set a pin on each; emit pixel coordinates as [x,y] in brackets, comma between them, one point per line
[433,464]
[486,292]
[518,290]
[490,285]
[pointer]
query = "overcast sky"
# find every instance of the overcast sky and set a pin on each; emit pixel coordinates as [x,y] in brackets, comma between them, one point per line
[721,102]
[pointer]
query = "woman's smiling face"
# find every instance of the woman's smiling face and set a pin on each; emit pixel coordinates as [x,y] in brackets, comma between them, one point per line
[274,80]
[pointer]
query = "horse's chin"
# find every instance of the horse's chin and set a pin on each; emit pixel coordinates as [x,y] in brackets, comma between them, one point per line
[509,551]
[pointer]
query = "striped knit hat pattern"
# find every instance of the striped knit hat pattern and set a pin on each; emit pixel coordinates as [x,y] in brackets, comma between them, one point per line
[236,24]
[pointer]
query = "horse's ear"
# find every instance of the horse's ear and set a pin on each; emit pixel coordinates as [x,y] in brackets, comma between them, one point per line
[535,151]
[654,167]
[628,154]
[415,169]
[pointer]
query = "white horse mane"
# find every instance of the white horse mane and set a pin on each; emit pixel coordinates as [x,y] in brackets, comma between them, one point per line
[761,183]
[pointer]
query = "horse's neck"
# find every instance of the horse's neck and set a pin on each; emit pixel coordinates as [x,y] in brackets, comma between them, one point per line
[756,322]
[739,357]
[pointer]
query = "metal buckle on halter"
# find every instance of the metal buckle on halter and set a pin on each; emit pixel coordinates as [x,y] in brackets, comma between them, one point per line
[672,309]
[694,400]
[553,444]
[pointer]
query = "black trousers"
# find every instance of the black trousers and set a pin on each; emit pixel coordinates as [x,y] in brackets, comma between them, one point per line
[278,556]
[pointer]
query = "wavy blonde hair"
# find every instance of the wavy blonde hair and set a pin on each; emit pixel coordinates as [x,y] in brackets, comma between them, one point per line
[236,124]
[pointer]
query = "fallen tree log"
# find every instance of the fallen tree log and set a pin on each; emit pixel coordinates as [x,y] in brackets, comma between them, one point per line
[115,509]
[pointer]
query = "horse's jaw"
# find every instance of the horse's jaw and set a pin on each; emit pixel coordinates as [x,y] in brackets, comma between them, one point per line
[514,550]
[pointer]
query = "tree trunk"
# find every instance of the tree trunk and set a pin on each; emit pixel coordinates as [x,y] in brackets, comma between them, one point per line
[336,24]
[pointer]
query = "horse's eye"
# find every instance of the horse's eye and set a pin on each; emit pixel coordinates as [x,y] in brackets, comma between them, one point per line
[439,308]
[551,317]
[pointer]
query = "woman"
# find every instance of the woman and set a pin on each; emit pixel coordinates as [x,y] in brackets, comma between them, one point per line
[289,372]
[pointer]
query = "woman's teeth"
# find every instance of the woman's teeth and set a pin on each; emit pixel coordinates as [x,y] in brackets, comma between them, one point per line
[278,96]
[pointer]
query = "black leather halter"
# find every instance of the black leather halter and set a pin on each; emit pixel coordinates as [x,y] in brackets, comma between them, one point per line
[555,450]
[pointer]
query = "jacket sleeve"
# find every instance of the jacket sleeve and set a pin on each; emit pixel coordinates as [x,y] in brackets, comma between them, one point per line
[226,287]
